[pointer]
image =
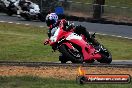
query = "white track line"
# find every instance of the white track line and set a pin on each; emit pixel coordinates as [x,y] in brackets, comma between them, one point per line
[10,22]
[90,32]
[27,24]
[2,21]
[18,23]
[41,26]
[114,35]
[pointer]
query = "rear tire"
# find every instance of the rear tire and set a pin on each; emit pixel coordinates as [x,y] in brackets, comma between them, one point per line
[106,56]
[106,59]
[64,50]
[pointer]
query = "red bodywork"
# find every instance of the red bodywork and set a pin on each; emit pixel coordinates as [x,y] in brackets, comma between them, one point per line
[88,50]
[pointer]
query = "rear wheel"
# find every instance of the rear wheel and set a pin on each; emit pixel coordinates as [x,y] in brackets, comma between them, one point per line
[106,55]
[73,55]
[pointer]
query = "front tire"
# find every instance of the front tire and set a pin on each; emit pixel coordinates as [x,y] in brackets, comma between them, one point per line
[62,59]
[70,55]
[90,61]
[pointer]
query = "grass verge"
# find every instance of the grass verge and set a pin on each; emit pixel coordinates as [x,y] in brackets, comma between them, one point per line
[25,43]
[119,3]
[36,82]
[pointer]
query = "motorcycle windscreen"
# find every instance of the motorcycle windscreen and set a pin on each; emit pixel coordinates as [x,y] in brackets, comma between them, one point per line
[54,34]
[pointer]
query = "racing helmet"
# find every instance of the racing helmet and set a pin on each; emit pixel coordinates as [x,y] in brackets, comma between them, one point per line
[51,19]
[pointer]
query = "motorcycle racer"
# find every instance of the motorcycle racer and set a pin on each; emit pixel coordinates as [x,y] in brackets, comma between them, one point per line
[10,6]
[34,8]
[58,29]
[6,2]
[52,22]
[25,5]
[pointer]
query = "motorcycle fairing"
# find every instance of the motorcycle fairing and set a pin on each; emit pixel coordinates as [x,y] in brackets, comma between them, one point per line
[88,51]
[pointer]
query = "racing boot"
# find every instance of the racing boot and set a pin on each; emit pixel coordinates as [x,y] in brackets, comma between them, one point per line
[94,42]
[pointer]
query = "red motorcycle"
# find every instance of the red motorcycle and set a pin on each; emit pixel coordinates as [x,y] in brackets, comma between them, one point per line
[74,47]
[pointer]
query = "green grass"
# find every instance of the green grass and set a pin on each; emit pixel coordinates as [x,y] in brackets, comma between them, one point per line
[25,43]
[119,3]
[36,82]
[112,13]
[83,1]
[119,47]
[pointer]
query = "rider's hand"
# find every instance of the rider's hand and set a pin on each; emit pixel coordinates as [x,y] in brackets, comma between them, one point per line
[46,42]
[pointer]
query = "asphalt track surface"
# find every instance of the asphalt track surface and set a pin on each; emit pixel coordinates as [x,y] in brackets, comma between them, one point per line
[103,29]
[120,64]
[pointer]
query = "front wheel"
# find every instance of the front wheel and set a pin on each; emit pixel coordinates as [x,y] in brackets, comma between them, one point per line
[73,55]
[26,16]
[62,59]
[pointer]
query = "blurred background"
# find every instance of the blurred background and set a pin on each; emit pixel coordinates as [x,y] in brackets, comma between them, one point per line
[116,10]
